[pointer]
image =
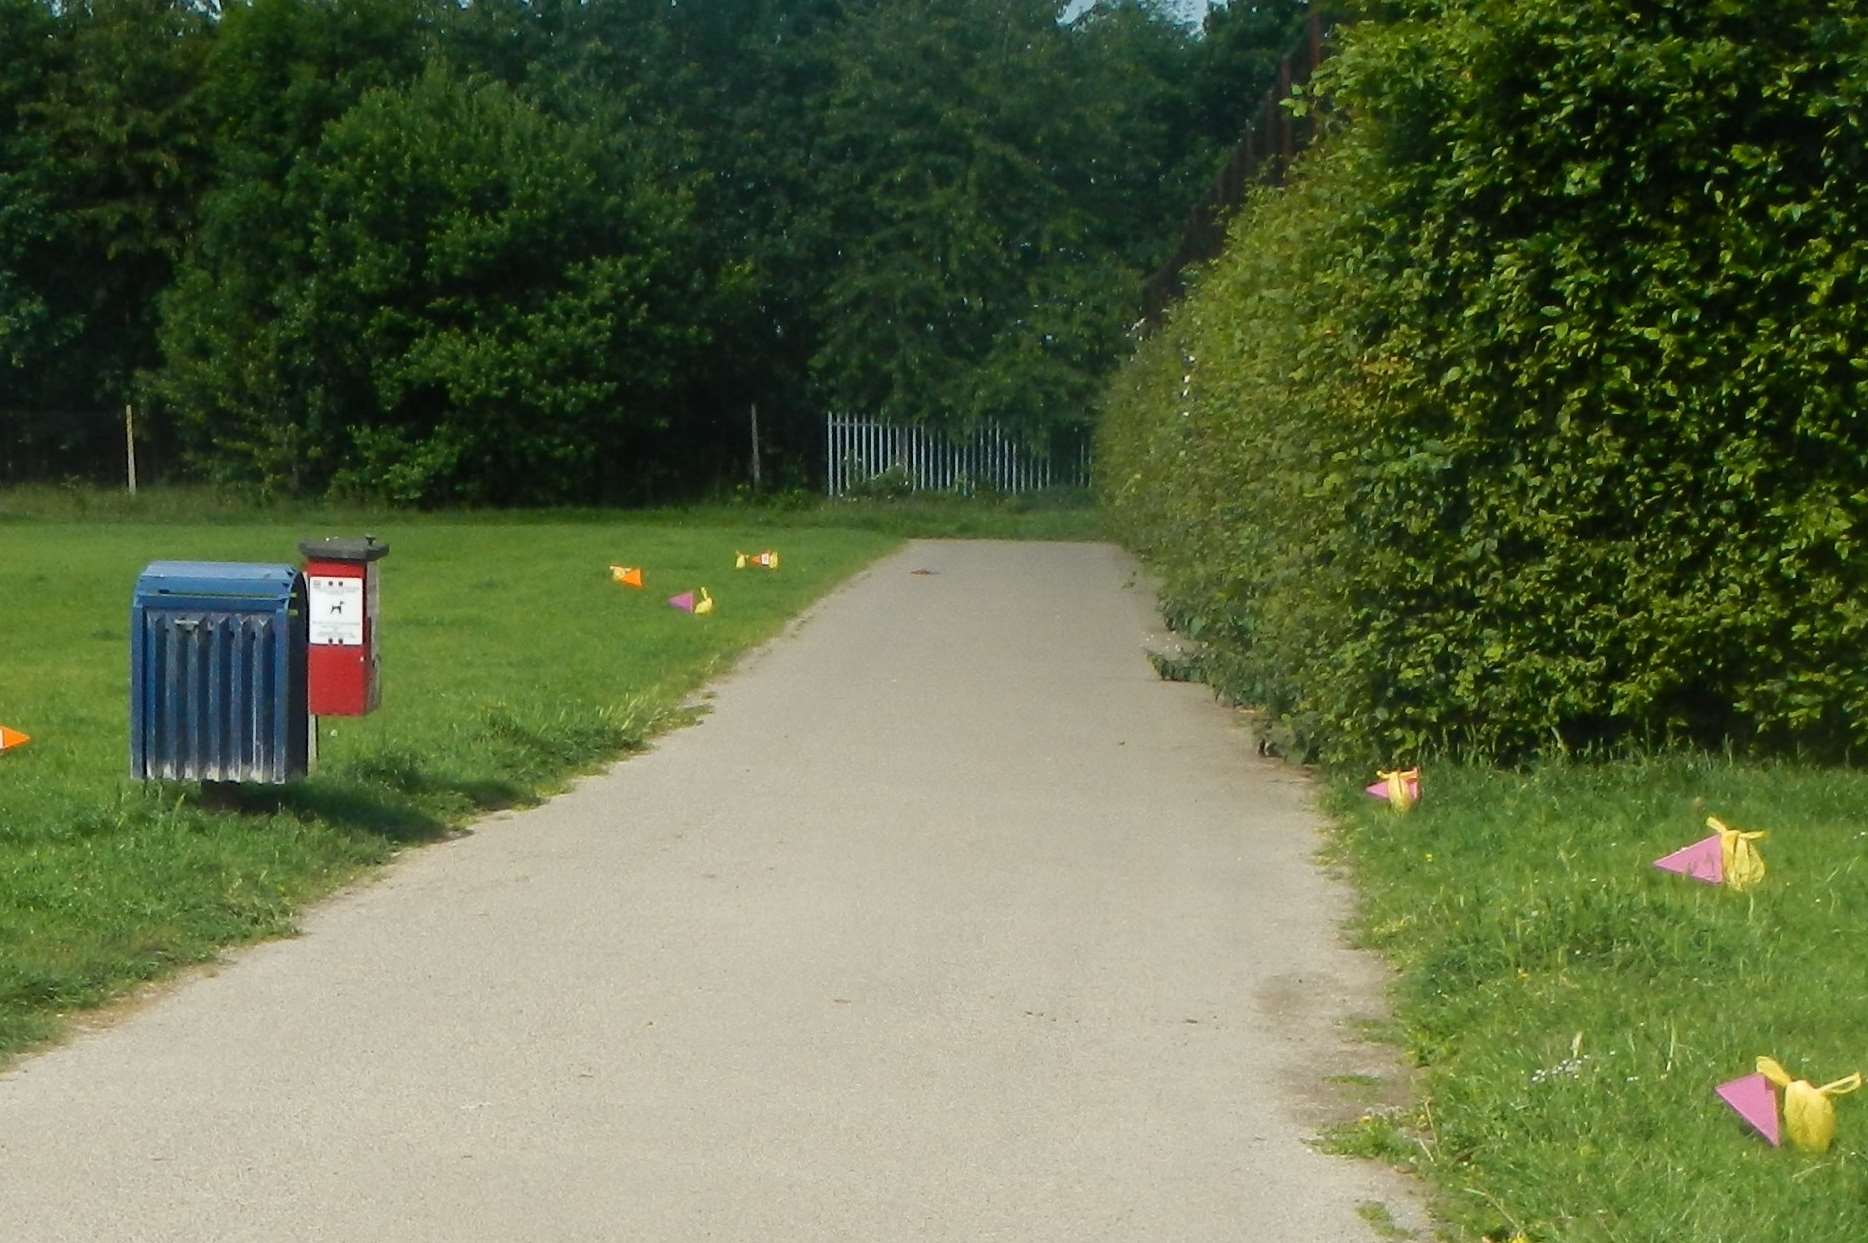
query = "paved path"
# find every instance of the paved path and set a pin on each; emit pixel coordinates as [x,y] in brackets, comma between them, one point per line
[950,923]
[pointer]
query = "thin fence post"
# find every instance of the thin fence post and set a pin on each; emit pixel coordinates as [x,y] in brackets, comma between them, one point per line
[129,444]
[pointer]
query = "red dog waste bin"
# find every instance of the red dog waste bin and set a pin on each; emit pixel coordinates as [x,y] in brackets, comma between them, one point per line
[344,601]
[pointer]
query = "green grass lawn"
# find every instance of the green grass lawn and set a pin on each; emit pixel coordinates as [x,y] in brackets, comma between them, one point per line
[510,661]
[1059,514]
[1572,1008]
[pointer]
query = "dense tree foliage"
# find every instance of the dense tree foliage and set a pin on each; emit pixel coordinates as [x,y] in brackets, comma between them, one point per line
[1530,416]
[103,163]
[488,305]
[30,330]
[1238,59]
[487,251]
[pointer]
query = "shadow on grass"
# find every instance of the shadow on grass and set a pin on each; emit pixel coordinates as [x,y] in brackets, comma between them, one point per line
[397,794]
[424,810]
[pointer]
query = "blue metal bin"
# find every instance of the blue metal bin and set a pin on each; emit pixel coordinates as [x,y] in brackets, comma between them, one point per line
[217,673]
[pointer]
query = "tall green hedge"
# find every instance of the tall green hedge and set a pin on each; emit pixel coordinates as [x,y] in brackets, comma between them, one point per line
[1531,415]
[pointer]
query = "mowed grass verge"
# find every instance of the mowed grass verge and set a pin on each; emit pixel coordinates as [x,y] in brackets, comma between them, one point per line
[1572,1008]
[510,662]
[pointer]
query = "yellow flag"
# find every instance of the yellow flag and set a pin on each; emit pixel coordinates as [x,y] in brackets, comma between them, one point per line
[1809,1112]
[1402,787]
[1744,866]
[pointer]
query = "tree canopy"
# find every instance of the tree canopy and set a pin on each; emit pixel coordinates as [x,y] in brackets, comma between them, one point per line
[543,250]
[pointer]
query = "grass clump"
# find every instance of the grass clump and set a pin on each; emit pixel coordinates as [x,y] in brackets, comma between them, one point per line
[1573,1008]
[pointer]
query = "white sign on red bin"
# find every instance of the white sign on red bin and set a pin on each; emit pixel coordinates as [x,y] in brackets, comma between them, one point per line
[336,611]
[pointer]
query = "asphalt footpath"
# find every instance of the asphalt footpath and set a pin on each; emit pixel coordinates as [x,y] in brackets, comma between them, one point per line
[950,921]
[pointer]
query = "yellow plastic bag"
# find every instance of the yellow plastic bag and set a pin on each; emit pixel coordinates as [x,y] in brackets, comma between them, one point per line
[1402,788]
[1809,1113]
[1744,866]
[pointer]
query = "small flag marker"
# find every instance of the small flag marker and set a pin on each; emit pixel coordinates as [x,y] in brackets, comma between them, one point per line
[1739,861]
[627,575]
[10,738]
[1400,789]
[1704,861]
[1752,1099]
[1809,1111]
[1729,857]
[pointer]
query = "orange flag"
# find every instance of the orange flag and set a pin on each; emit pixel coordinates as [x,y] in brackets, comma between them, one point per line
[627,575]
[10,738]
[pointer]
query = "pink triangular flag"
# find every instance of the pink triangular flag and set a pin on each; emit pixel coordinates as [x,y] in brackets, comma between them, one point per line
[685,602]
[1753,1100]
[1380,790]
[1703,860]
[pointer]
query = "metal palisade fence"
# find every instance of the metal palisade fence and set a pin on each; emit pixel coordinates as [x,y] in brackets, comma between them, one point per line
[867,455]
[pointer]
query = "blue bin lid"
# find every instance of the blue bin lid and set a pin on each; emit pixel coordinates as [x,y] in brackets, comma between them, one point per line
[217,578]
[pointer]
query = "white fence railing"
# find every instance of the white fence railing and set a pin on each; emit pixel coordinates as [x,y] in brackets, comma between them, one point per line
[859,451]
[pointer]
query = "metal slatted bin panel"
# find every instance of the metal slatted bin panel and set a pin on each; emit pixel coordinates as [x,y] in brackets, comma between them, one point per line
[218,694]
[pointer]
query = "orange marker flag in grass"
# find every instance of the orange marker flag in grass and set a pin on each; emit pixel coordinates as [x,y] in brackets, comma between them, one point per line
[10,738]
[627,575]
[767,560]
